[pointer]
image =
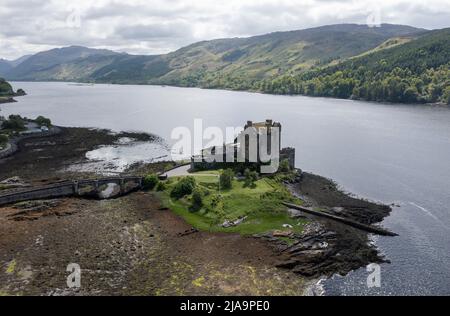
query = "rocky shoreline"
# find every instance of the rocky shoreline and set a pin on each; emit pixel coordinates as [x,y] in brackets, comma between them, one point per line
[7,100]
[14,141]
[10,98]
[43,157]
[327,247]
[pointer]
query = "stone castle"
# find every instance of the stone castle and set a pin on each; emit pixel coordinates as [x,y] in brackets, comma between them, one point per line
[210,158]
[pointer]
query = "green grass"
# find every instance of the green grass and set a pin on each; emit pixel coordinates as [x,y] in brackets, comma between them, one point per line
[261,204]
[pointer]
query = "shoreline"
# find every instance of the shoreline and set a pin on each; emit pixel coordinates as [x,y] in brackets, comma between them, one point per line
[12,145]
[438,105]
[4,100]
[10,98]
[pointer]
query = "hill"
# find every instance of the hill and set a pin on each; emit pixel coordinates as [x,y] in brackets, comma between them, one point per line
[414,72]
[392,63]
[55,64]
[211,63]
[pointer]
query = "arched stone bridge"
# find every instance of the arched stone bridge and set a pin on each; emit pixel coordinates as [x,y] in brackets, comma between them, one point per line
[96,188]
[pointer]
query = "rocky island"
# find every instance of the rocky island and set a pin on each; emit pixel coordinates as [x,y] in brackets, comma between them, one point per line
[7,93]
[218,231]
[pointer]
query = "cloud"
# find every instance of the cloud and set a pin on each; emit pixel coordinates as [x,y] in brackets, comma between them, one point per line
[149,32]
[159,26]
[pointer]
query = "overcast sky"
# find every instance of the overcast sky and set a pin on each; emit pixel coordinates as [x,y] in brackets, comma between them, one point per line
[157,26]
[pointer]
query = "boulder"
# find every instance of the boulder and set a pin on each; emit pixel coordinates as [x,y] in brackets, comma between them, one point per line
[282,233]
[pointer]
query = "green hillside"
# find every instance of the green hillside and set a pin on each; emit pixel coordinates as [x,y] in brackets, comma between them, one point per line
[417,71]
[220,63]
[294,52]
[216,63]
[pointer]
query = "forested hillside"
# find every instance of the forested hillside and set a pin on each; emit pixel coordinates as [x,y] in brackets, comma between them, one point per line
[229,63]
[418,71]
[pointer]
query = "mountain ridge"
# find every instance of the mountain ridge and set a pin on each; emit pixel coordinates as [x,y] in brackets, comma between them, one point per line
[247,63]
[264,55]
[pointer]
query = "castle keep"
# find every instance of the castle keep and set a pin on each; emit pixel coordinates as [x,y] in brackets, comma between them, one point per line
[246,148]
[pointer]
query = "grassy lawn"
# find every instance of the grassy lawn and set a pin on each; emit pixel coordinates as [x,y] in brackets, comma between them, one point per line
[261,204]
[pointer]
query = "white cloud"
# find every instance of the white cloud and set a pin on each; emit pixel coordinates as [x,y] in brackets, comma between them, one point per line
[158,26]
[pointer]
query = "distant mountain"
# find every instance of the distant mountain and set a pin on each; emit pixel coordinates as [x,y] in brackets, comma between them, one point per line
[16,62]
[280,62]
[5,66]
[8,65]
[51,65]
[255,58]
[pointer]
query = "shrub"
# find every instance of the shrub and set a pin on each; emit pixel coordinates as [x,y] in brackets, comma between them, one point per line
[14,122]
[215,200]
[43,121]
[183,187]
[250,178]
[197,199]
[284,166]
[226,179]
[446,95]
[161,186]
[150,181]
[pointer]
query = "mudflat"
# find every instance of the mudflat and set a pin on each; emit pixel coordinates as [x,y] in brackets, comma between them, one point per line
[130,246]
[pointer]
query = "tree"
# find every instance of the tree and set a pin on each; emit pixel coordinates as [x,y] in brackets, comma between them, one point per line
[43,121]
[226,179]
[14,122]
[197,199]
[183,187]
[150,181]
[5,88]
[284,165]
[250,178]
[161,186]
[446,95]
